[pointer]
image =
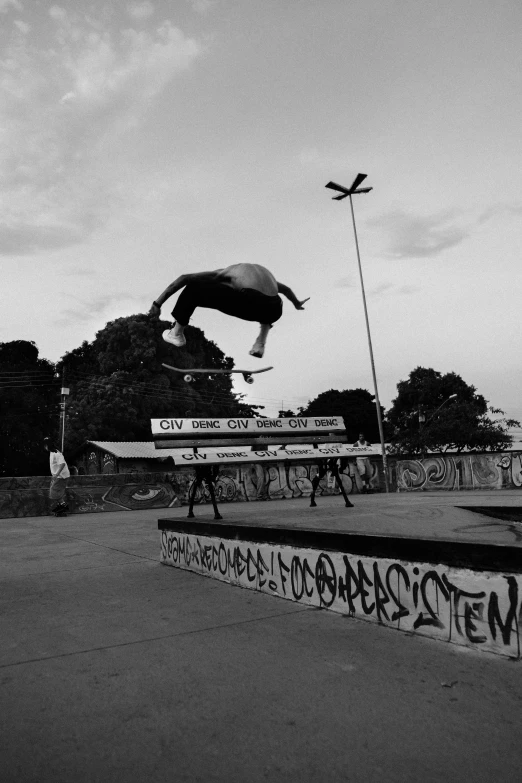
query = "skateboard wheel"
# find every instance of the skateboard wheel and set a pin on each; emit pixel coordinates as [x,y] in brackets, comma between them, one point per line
[249,379]
[188,378]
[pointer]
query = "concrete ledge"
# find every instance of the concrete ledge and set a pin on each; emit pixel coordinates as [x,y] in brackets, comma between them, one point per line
[373,578]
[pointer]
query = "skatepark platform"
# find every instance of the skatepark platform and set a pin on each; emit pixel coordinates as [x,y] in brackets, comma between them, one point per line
[446,567]
[113,667]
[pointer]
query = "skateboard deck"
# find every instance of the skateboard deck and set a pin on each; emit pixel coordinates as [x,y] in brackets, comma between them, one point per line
[188,376]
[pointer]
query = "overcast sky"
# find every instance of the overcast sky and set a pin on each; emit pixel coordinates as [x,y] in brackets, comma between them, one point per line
[142,140]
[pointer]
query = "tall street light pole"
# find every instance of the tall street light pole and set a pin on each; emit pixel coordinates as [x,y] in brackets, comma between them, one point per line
[343,193]
[64,392]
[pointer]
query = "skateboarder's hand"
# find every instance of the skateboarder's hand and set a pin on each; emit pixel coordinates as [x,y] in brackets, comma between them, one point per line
[155,310]
[299,305]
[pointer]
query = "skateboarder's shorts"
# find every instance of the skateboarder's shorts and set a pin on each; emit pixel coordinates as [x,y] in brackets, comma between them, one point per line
[260,307]
[247,304]
[57,488]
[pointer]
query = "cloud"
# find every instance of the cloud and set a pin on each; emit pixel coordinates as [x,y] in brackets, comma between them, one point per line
[57,12]
[391,288]
[345,282]
[323,161]
[5,5]
[141,10]
[202,7]
[408,289]
[377,290]
[414,236]
[78,271]
[498,210]
[22,238]
[105,307]
[71,108]
[22,26]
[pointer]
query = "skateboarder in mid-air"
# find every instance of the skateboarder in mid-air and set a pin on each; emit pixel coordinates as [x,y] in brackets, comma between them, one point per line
[247,291]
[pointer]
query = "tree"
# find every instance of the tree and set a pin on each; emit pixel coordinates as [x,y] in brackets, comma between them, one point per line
[29,409]
[118,383]
[435,412]
[356,406]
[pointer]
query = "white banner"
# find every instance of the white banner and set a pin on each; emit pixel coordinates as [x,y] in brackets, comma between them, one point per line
[199,428]
[274,455]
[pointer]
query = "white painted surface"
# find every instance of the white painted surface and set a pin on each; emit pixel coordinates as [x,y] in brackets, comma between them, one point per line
[470,608]
[239,454]
[248,426]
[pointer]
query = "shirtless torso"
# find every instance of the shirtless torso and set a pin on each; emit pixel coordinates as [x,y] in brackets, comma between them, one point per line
[239,276]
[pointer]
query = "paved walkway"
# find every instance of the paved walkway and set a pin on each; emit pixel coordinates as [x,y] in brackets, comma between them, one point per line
[113,667]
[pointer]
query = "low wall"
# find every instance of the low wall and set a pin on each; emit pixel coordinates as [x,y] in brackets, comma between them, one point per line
[444,601]
[28,496]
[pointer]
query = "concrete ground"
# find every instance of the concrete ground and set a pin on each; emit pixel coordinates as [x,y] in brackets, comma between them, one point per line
[115,668]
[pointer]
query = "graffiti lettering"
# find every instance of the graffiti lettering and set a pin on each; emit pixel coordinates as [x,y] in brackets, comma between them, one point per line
[473,608]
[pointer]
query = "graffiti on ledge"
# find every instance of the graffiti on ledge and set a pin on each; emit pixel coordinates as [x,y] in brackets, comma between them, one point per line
[463,471]
[475,609]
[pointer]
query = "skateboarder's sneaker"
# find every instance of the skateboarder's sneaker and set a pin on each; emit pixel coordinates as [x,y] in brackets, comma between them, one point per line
[175,336]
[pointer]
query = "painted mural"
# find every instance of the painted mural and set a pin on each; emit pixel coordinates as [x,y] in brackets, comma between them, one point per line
[28,496]
[21,497]
[257,481]
[460,471]
[472,608]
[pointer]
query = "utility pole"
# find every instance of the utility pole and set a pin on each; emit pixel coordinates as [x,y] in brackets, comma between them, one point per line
[63,394]
[344,192]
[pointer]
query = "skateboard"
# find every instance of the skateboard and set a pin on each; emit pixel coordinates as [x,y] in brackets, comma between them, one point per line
[60,510]
[188,376]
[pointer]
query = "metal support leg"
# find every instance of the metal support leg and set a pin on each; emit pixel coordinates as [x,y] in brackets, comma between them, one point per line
[335,472]
[209,478]
[315,483]
[197,482]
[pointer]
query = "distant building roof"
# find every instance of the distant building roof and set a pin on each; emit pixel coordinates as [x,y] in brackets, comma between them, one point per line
[135,449]
[138,449]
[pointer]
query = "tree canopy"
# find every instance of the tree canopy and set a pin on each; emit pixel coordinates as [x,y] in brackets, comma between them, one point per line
[436,412]
[356,406]
[29,409]
[118,382]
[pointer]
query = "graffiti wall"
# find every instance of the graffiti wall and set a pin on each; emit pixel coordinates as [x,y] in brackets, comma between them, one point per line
[460,471]
[258,481]
[28,496]
[470,608]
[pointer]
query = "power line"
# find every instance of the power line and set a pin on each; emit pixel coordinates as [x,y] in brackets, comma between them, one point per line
[150,390]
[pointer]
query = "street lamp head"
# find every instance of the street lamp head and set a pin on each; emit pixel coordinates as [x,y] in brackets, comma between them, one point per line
[354,188]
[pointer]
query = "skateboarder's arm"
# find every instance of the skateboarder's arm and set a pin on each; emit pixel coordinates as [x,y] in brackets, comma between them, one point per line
[286,291]
[179,283]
